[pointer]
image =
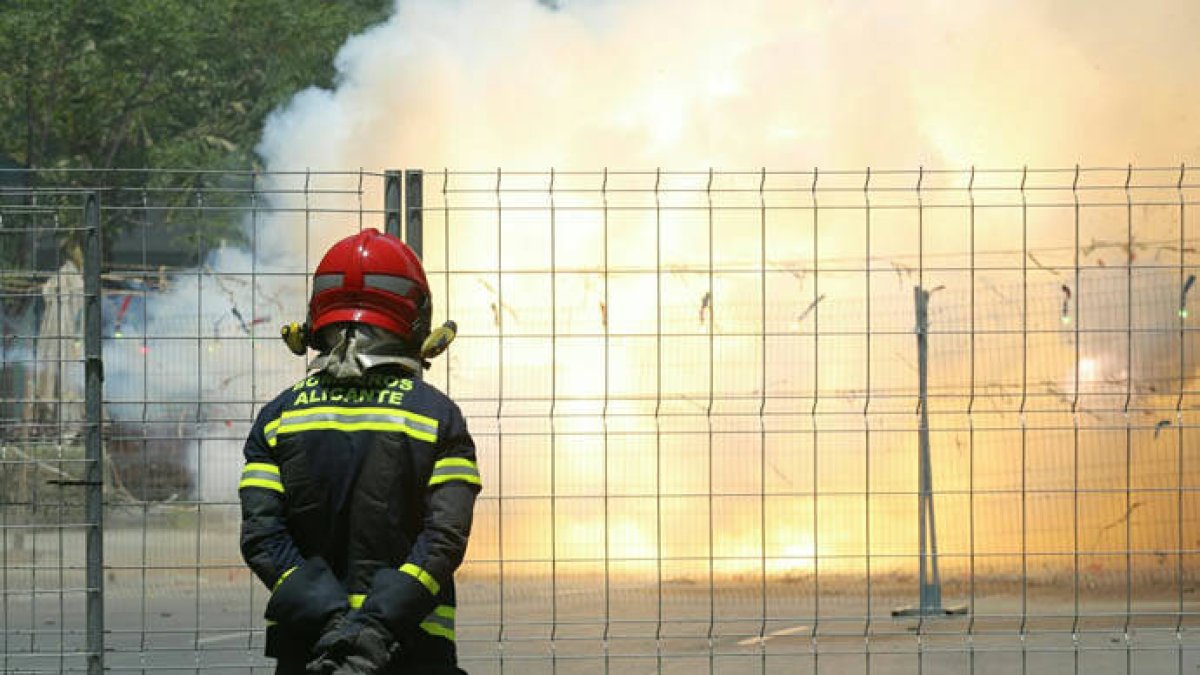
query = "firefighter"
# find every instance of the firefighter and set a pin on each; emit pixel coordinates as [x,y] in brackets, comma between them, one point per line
[360,480]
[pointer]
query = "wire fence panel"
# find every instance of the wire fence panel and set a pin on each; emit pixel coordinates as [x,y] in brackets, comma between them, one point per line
[884,422]
[47,433]
[810,422]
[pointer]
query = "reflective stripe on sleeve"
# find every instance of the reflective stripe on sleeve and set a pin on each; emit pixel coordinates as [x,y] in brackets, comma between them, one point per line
[258,474]
[455,468]
[358,419]
[440,622]
[422,576]
[270,430]
[283,576]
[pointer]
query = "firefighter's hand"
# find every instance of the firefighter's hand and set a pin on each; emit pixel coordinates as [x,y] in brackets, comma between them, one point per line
[353,644]
[334,635]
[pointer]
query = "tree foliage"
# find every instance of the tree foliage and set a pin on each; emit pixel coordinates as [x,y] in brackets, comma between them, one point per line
[159,83]
[93,85]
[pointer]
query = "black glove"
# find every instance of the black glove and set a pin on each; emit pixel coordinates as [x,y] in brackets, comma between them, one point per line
[353,644]
[307,599]
[357,665]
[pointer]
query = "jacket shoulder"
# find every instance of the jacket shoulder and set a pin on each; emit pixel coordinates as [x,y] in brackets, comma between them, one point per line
[274,407]
[432,392]
[435,399]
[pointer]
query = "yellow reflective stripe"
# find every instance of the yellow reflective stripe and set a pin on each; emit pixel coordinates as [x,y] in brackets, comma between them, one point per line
[456,463]
[261,474]
[440,622]
[270,430]
[260,466]
[356,600]
[340,410]
[283,576]
[455,468]
[438,630]
[359,419]
[261,483]
[465,477]
[445,610]
[422,576]
[359,426]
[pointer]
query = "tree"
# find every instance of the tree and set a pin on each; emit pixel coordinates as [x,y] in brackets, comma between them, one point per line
[145,85]
[143,98]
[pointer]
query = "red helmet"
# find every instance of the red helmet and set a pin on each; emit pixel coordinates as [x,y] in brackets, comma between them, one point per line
[372,278]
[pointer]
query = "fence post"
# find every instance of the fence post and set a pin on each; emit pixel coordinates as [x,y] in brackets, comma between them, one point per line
[931,582]
[930,598]
[94,451]
[414,204]
[391,203]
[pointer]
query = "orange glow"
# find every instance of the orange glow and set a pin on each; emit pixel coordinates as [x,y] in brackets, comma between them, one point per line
[633,342]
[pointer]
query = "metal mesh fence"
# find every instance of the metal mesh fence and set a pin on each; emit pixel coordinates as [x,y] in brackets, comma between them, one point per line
[811,422]
[49,435]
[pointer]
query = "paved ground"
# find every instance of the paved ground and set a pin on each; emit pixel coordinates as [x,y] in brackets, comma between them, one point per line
[165,615]
[158,632]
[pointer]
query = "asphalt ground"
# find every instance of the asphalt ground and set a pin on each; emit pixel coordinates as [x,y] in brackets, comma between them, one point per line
[647,632]
[177,602]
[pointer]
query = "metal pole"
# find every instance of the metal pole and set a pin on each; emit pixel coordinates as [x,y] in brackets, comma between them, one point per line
[414,203]
[391,203]
[94,477]
[930,578]
[930,592]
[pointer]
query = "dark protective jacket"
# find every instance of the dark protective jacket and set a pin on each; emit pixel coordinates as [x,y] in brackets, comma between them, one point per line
[358,494]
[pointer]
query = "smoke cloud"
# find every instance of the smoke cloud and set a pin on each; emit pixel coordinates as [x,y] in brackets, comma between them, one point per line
[787,85]
[625,84]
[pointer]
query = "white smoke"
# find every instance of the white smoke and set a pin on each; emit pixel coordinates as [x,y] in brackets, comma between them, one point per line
[626,84]
[783,84]
[787,85]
